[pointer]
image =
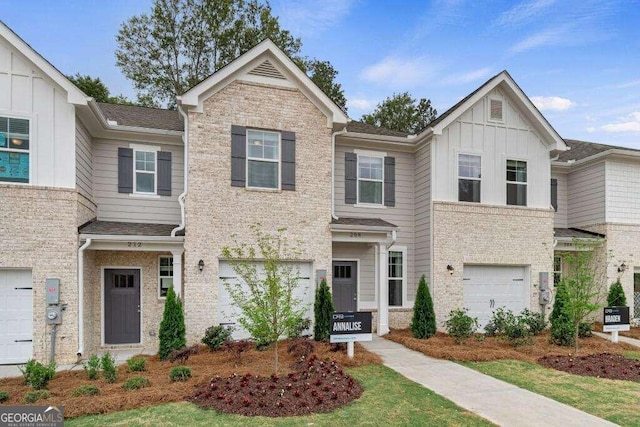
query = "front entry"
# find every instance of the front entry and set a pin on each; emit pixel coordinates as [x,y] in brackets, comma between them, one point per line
[121,306]
[345,286]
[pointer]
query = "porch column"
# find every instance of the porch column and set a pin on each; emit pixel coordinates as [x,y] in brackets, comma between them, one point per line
[177,271]
[383,290]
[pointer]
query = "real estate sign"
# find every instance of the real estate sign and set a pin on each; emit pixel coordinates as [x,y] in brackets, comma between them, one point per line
[351,327]
[615,319]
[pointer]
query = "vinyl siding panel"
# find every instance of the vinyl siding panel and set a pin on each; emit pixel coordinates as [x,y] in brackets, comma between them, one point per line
[623,191]
[84,161]
[586,196]
[422,217]
[114,206]
[560,218]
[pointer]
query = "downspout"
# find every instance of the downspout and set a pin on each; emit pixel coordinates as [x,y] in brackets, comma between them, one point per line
[81,249]
[394,237]
[183,195]
[333,170]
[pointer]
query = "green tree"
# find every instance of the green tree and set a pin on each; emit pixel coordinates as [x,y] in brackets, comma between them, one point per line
[423,323]
[180,42]
[265,294]
[616,295]
[324,76]
[403,113]
[172,330]
[322,309]
[561,329]
[95,88]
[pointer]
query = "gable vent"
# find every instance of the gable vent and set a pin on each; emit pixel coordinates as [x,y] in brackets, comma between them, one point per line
[266,69]
[495,106]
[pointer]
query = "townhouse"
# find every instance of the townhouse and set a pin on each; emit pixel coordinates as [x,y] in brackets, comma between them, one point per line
[103,207]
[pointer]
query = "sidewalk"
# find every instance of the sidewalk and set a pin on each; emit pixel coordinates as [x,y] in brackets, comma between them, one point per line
[492,399]
[628,340]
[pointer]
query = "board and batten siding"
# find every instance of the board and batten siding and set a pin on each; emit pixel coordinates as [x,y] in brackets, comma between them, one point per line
[560,217]
[623,191]
[114,206]
[422,218]
[402,214]
[586,195]
[84,161]
[25,92]
[514,139]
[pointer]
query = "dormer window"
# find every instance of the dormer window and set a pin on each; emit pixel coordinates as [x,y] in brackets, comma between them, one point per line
[496,110]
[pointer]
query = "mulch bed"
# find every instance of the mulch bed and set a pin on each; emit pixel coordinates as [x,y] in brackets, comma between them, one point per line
[204,365]
[603,365]
[321,387]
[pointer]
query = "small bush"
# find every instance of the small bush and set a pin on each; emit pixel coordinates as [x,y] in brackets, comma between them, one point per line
[585,330]
[535,321]
[423,322]
[561,328]
[38,375]
[215,336]
[184,353]
[180,373]
[460,325]
[517,331]
[137,364]
[92,367]
[497,323]
[35,395]
[302,325]
[616,296]
[238,348]
[172,334]
[135,383]
[4,396]
[85,390]
[108,364]
[322,309]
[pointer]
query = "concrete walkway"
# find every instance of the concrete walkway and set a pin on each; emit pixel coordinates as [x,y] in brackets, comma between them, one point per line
[492,399]
[607,336]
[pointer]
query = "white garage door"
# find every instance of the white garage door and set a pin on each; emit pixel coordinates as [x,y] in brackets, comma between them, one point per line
[487,287]
[228,313]
[16,316]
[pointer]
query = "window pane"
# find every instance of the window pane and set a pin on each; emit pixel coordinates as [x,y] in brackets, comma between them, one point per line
[165,284]
[469,190]
[395,264]
[370,192]
[145,182]
[263,145]
[395,292]
[469,166]
[517,194]
[14,167]
[263,174]
[516,171]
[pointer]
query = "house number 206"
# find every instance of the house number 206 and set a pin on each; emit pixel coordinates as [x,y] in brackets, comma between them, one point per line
[134,244]
[356,234]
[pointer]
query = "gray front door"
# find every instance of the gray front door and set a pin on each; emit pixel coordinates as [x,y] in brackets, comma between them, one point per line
[345,286]
[121,306]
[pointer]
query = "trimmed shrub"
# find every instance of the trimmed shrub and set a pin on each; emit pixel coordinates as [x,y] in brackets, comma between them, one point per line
[38,375]
[460,325]
[301,325]
[137,364]
[35,395]
[562,331]
[322,309]
[108,364]
[172,333]
[215,336]
[517,331]
[616,295]
[135,383]
[85,390]
[585,330]
[4,396]
[497,323]
[423,323]
[92,367]
[180,373]
[535,321]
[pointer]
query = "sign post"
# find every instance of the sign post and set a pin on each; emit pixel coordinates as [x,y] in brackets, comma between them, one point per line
[615,319]
[351,327]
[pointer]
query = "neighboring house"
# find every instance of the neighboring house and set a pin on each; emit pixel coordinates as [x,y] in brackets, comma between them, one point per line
[121,202]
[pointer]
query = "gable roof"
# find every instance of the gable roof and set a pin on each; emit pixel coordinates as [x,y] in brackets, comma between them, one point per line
[506,81]
[74,94]
[361,127]
[579,150]
[143,117]
[250,61]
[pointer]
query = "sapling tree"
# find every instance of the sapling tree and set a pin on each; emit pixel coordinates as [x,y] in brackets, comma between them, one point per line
[323,308]
[265,293]
[423,323]
[172,334]
[616,297]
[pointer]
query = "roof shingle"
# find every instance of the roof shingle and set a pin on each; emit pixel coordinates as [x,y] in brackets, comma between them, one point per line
[111,228]
[367,222]
[144,117]
[360,127]
[579,150]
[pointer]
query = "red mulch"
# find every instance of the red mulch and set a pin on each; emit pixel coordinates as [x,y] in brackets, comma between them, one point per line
[603,365]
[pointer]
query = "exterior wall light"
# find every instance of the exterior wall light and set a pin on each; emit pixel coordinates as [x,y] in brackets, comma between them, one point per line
[201,265]
[450,269]
[622,267]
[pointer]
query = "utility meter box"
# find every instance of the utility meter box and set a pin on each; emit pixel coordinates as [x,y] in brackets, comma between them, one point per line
[54,315]
[52,291]
[544,294]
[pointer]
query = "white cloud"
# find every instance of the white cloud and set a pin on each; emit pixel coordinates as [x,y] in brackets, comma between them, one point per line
[359,104]
[632,124]
[401,72]
[550,36]
[523,12]
[311,17]
[552,103]
[626,85]
[468,77]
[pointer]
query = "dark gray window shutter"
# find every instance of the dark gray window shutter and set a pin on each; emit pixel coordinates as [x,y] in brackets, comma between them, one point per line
[389,181]
[350,178]
[554,194]
[164,173]
[288,161]
[238,155]
[125,170]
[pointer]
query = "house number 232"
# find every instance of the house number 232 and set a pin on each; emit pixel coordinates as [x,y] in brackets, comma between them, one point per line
[134,244]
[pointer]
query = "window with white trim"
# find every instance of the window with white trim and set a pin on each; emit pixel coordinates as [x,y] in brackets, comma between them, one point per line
[14,150]
[263,159]
[557,269]
[469,178]
[370,179]
[145,172]
[165,275]
[516,183]
[396,278]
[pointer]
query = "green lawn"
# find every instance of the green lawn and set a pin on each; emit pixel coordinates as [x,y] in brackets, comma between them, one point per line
[389,399]
[616,401]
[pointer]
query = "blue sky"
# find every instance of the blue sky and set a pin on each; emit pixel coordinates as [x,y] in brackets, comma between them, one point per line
[578,60]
